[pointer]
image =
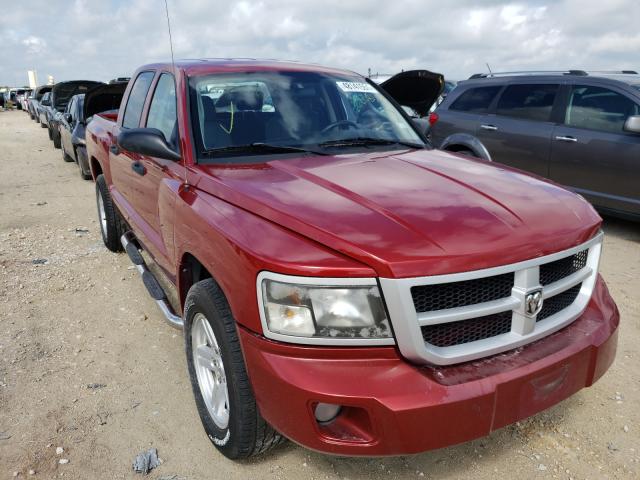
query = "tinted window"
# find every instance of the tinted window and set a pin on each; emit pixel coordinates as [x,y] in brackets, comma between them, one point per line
[162,112]
[530,102]
[476,100]
[133,110]
[598,108]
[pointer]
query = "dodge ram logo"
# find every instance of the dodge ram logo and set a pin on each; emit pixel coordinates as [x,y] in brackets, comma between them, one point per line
[533,303]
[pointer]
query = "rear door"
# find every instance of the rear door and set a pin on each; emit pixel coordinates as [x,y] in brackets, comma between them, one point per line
[518,132]
[591,152]
[127,186]
[464,114]
[158,176]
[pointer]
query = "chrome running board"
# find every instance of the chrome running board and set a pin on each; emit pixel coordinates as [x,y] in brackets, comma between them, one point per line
[150,282]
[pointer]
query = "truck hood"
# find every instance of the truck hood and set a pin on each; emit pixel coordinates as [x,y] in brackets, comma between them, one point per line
[410,213]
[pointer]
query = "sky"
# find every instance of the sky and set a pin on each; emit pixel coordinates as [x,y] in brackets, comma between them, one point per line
[103,39]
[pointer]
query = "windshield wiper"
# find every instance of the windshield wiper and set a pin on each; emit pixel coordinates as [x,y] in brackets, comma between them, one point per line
[365,141]
[259,147]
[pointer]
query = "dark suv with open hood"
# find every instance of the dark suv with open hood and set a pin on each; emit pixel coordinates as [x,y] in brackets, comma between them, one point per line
[60,96]
[579,129]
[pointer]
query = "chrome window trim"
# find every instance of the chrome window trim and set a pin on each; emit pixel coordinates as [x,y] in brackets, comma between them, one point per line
[407,322]
[317,282]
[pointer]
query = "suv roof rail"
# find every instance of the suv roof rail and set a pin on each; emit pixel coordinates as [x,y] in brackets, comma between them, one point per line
[624,72]
[529,72]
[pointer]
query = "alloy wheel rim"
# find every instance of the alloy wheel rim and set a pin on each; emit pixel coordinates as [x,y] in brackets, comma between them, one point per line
[212,380]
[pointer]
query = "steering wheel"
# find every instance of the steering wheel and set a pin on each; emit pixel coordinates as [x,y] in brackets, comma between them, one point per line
[340,123]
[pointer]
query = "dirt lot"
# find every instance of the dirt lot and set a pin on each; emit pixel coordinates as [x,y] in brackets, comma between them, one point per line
[75,316]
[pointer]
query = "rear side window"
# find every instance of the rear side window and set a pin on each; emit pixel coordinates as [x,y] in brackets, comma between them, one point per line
[598,108]
[475,100]
[162,112]
[135,103]
[529,102]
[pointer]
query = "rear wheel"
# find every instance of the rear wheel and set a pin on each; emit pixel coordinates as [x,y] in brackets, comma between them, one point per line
[466,151]
[56,139]
[50,132]
[111,224]
[218,375]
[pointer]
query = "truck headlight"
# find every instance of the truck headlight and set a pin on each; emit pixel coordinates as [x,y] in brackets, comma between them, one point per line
[313,311]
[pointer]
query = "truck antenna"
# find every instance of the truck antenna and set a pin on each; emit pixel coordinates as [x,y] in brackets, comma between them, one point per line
[173,64]
[166,9]
[487,64]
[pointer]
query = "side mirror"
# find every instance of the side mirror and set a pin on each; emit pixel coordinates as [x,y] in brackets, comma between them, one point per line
[67,117]
[147,141]
[632,124]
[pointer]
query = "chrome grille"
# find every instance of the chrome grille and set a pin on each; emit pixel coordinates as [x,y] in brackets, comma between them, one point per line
[452,318]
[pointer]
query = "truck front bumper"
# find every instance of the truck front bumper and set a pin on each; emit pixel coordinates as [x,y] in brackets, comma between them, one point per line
[391,407]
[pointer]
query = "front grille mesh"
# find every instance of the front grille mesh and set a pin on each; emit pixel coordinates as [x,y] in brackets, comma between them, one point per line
[432,298]
[558,302]
[554,271]
[464,331]
[428,298]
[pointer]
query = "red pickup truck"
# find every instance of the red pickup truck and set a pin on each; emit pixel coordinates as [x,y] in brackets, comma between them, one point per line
[339,282]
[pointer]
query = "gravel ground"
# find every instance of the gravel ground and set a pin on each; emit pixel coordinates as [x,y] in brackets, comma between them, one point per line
[88,365]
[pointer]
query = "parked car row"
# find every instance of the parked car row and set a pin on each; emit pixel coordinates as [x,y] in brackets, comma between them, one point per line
[65,108]
[576,128]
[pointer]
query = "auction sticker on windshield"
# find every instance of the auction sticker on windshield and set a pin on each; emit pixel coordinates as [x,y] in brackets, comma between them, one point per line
[353,87]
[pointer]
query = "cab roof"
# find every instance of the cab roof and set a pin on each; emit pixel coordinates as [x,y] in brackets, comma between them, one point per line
[205,66]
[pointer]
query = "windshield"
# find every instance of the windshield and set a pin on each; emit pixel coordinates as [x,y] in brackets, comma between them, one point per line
[306,110]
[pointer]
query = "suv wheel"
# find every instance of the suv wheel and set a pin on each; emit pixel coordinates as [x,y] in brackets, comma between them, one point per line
[218,375]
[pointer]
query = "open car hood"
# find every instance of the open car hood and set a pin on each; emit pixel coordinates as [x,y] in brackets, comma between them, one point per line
[417,89]
[63,91]
[103,98]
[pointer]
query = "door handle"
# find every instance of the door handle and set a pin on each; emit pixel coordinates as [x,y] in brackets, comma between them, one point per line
[566,139]
[492,128]
[114,149]
[138,168]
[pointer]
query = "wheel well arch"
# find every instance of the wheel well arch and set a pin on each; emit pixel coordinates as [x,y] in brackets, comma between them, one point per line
[464,141]
[191,271]
[96,168]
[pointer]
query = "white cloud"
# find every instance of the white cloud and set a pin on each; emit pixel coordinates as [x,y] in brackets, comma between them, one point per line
[101,40]
[35,45]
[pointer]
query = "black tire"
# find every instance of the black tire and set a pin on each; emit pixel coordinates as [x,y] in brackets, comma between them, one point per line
[247,433]
[112,226]
[467,152]
[66,157]
[42,125]
[57,141]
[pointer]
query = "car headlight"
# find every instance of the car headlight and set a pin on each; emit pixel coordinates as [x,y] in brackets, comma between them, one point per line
[333,311]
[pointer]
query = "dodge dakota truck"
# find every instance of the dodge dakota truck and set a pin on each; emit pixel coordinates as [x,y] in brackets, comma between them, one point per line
[340,283]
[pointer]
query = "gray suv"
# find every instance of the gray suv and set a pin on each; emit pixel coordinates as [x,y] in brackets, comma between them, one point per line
[579,129]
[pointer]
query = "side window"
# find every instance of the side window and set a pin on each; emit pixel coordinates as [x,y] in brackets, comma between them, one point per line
[529,102]
[598,108]
[135,103]
[475,100]
[162,112]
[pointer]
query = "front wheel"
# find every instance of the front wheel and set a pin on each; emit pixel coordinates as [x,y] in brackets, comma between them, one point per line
[218,375]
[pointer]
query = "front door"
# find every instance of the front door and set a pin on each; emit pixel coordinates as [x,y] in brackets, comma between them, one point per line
[519,131]
[591,152]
